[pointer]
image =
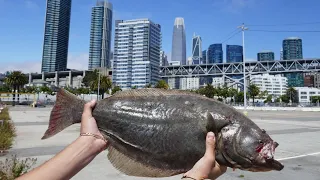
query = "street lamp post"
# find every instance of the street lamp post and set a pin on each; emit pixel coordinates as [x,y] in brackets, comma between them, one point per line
[98,86]
[243,28]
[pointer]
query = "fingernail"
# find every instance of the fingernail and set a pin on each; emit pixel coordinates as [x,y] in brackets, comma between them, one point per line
[211,135]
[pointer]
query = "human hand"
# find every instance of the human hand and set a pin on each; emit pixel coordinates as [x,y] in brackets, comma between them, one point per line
[89,125]
[207,167]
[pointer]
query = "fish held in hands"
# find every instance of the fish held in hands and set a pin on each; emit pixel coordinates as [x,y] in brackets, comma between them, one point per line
[161,133]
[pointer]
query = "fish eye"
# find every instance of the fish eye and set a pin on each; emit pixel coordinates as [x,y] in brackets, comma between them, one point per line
[263,131]
[260,142]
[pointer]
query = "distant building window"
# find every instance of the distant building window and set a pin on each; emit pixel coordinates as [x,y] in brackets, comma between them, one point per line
[304,97]
[303,92]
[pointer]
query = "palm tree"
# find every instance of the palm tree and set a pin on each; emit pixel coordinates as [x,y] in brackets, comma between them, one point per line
[16,79]
[115,89]
[105,85]
[254,91]
[162,84]
[292,94]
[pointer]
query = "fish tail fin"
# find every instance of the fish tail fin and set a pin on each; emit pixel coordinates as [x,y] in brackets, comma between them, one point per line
[66,111]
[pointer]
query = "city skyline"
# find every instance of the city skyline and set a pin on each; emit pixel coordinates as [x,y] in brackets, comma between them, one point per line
[30,37]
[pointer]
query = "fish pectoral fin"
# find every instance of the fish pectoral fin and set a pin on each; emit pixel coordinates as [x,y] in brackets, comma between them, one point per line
[215,124]
[131,167]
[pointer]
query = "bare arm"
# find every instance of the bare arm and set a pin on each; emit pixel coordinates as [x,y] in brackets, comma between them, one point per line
[74,157]
[69,161]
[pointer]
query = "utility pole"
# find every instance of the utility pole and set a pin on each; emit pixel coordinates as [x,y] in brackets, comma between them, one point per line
[243,28]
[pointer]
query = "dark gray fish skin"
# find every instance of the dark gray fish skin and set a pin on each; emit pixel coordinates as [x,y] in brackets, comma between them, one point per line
[165,130]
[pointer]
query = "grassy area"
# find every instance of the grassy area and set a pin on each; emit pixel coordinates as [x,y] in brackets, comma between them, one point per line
[13,167]
[7,131]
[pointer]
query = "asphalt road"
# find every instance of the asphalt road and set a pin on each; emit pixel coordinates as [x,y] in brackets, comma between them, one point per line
[296,132]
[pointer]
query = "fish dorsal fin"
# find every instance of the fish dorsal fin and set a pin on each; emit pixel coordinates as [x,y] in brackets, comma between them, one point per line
[150,92]
[215,122]
[131,167]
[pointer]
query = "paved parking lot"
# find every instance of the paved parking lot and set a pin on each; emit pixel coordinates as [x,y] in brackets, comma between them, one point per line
[296,132]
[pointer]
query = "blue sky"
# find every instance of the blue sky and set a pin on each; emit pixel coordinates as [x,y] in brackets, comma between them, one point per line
[22,26]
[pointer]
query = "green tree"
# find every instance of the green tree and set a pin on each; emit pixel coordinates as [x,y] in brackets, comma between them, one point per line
[315,99]
[115,89]
[269,99]
[16,80]
[46,90]
[105,85]
[162,84]
[148,86]
[285,98]
[232,93]
[83,90]
[90,77]
[134,87]
[4,89]
[253,91]
[240,97]
[263,94]
[225,92]
[292,95]
[209,91]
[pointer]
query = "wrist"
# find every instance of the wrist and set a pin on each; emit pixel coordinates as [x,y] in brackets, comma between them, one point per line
[97,145]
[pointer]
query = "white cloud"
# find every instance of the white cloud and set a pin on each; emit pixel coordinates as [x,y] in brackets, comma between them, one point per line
[25,66]
[77,61]
[250,59]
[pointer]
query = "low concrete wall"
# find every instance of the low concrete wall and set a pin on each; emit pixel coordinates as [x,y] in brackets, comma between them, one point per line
[310,109]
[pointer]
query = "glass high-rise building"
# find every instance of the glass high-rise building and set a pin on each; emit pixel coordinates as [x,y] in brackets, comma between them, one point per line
[234,53]
[196,49]
[295,79]
[265,56]
[215,54]
[137,47]
[292,48]
[56,36]
[100,36]
[178,52]
[204,57]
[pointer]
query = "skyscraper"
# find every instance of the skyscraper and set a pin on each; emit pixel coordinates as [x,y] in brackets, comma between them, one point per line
[178,52]
[292,48]
[215,54]
[234,53]
[204,57]
[100,35]
[56,36]
[196,49]
[265,56]
[137,48]
[163,59]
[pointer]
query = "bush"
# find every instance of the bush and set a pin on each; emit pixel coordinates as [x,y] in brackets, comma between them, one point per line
[4,114]
[7,131]
[13,168]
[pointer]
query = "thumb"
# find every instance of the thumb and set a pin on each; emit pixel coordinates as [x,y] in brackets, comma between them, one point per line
[210,146]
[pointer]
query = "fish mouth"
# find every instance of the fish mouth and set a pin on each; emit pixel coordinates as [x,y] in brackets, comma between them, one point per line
[267,153]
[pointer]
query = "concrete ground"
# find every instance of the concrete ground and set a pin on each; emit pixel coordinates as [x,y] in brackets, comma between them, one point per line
[296,132]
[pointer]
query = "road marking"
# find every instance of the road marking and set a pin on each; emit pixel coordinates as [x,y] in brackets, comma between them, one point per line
[300,156]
